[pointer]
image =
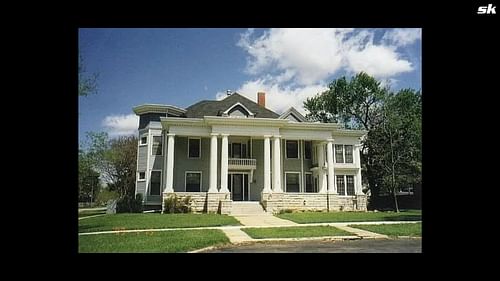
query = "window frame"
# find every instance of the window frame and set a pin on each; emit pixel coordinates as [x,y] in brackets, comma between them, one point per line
[310,150]
[150,182]
[139,176]
[193,172]
[337,184]
[335,154]
[286,149]
[299,182]
[344,176]
[353,185]
[352,154]
[312,182]
[199,151]
[160,145]
[140,140]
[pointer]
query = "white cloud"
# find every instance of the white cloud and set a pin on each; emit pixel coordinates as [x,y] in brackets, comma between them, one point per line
[309,54]
[402,36]
[293,64]
[121,125]
[378,61]
[312,55]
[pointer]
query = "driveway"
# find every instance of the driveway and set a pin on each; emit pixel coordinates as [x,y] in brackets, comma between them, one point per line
[355,246]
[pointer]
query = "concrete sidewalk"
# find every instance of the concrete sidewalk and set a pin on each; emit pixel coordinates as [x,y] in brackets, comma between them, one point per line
[239,227]
[263,220]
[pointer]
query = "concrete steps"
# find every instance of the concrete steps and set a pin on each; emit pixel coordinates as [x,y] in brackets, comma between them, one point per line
[247,208]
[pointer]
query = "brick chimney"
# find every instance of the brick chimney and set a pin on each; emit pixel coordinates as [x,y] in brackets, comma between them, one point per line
[261,99]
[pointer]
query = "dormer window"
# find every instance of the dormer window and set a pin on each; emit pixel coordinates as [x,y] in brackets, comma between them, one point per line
[238,110]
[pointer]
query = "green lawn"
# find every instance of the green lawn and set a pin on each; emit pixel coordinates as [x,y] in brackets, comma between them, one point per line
[91,213]
[295,231]
[145,221]
[400,229]
[313,217]
[151,242]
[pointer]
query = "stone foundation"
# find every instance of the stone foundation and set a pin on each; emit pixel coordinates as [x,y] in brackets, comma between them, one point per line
[203,202]
[274,202]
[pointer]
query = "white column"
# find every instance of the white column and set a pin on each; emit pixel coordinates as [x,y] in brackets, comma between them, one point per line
[223,165]
[164,173]
[357,163]
[277,164]
[213,164]
[170,163]
[321,172]
[331,176]
[267,165]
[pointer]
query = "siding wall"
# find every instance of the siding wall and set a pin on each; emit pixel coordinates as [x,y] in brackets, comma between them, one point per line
[294,165]
[182,163]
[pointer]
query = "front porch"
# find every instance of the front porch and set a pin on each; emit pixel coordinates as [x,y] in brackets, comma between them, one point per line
[281,164]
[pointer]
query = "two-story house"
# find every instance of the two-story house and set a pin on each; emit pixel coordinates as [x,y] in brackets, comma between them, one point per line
[235,149]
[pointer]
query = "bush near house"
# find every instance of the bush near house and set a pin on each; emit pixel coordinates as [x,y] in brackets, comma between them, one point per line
[174,204]
[128,204]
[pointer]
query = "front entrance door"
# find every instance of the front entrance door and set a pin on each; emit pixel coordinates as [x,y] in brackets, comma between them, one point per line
[238,186]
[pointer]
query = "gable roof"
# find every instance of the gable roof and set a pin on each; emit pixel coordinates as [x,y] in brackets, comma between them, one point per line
[216,108]
[295,113]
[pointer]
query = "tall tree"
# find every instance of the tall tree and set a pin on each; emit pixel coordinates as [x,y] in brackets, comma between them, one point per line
[357,104]
[397,142]
[115,159]
[87,83]
[88,178]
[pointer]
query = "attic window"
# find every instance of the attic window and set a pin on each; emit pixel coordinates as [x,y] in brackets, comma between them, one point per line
[238,111]
[292,117]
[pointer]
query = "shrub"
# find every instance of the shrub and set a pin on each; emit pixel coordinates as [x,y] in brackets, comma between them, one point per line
[129,204]
[174,204]
[284,211]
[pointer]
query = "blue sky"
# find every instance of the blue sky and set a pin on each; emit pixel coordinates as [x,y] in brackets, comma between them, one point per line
[183,66]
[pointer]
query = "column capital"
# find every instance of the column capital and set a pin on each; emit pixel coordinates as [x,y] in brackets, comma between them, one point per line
[277,136]
[330,140]
[224,135]
[171,134]
[267,136]
[214,134]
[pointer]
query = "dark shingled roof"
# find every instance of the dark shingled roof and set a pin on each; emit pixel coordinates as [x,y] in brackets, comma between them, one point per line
[216,108]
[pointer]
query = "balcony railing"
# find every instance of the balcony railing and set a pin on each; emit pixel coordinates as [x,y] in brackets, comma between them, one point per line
[242,163]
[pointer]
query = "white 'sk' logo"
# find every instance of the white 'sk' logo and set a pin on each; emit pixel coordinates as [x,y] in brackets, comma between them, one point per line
[490,9]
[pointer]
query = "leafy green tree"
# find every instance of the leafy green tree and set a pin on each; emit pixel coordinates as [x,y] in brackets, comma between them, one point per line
[398,141]
[391,153]
[87,84]
[357,104]
[88,179]
[115,159]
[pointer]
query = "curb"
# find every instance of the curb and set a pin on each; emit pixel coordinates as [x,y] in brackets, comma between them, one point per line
[335,238]
[202,249]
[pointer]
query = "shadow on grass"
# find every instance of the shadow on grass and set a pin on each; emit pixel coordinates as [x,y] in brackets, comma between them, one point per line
[403,218]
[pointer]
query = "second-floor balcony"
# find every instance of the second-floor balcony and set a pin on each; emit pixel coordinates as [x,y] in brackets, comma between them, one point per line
[242,164]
